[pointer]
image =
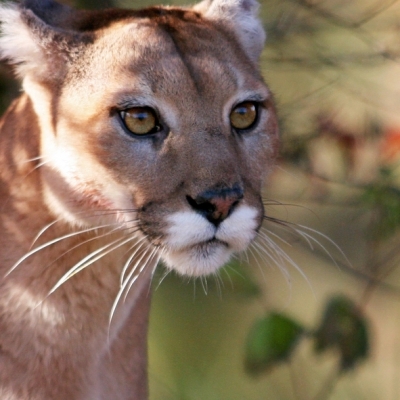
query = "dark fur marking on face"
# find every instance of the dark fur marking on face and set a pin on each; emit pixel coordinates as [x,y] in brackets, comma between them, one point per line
[64,17]
[94,20]
[173,34]
[179,28]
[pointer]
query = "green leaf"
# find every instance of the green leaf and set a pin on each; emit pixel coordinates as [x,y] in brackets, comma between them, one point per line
[384,200]
[270,341]
[343,327]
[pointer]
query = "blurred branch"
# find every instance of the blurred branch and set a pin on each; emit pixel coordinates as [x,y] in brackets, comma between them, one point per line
[339,21]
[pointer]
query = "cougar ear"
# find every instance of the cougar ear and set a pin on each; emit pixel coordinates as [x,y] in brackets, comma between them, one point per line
[32,44]
[241,17]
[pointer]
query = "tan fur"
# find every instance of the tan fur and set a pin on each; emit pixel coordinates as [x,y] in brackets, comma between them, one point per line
[67,165]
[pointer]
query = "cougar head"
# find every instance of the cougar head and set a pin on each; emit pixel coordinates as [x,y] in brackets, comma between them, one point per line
[156,120]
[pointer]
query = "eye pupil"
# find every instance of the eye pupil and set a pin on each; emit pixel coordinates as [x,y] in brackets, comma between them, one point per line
[140,120]
[244,115]
[142,116]
[241,110]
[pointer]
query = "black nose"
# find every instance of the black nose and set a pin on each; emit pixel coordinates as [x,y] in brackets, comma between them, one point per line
[217,204]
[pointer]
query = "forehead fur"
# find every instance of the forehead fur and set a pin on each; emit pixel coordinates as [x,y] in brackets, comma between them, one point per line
[179,25]
[143,58]
[63,17]
[44,38]
[183,31]
[156,44]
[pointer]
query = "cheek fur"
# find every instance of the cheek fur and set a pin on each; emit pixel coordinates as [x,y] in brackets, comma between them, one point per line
[186,229]
[240,228]
[80,191]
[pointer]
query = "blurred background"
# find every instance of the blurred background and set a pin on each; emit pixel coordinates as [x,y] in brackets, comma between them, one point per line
[312,310]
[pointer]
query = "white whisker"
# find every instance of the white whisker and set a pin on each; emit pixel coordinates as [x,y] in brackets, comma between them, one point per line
[299,230]
[243,256]
[204,284]
[250,249]
[125,284]
[90,259]
[95,215]
[219,283]
[37,167]
[29,160]
[283,256]
[275,253]
[50,243]
[265,231]
[42,231]
[132,281]
[131,257]
[279,262]
[224,269]
[272,251]
[166,273]
[161,251]
[328,239]
[97,237]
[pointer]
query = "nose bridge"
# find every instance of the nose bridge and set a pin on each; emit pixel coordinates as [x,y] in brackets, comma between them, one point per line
[214,160]
[215,188]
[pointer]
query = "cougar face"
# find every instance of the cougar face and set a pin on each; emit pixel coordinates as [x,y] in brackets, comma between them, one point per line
[140,135]
[162,125]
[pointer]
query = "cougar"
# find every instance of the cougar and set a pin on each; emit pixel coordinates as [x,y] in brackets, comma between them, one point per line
[139,136]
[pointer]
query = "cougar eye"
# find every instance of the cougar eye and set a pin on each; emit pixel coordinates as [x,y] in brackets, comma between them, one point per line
[140,120]
[244,115]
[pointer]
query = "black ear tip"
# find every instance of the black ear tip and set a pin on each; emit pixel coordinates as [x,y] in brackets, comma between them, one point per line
[247,5]
[43,4]
[43,8]
[49,11]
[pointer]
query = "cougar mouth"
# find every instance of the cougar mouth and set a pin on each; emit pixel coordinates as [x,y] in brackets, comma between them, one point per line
[194,246]
[210,242]
[199,260]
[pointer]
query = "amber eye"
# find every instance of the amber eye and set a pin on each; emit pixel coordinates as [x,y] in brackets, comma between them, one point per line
[140,120]
[244,115]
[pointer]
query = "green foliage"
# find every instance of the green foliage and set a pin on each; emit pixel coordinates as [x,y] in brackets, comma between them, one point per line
[383,198]
[273,338]
[344,328]
[270,341]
